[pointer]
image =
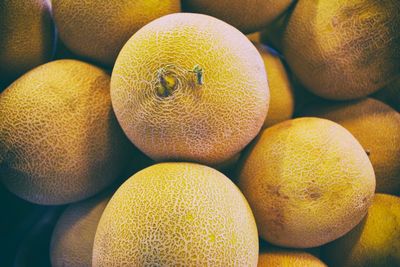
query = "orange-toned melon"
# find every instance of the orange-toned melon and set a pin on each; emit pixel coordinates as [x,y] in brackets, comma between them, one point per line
[59,139]
[27,36]
[343,49]
[98,29]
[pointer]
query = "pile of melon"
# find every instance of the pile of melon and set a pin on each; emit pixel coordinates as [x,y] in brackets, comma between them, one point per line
[156,133]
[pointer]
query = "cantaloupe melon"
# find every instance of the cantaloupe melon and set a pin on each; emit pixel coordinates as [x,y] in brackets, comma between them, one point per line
[59,139]
[375,242]
[73,236]
[246,15]
[27,36]
[308,182]
[344,49]
[377,127]
[177,214]
[98,29]
[190,87]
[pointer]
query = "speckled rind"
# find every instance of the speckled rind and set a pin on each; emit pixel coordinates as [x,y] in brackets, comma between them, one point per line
[308,181]
[59,139]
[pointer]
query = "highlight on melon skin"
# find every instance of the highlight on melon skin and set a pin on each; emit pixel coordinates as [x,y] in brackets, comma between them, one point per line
[190,87]
[27,37]
[308,182]
[98,29]
[177,214]
[60,141]
[342,49]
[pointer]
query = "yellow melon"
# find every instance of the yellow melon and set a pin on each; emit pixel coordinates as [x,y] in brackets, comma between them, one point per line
[343,49]
[59,138]
[377,127]
[26,36]
[308,182]
[73,237]
[248,15]
[177,214]
[281,106]
[190,87]
[280,257]
[390,94]
[375,242]
[98,29]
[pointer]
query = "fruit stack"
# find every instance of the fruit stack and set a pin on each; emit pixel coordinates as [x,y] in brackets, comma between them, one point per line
[156,133]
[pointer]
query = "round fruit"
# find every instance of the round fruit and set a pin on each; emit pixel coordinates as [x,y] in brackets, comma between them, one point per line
[248,16]
[375,242]
[308,182]
[177,214]
[59,139]
[344,49]
[281,106]
[73,237]
[27,36]
[288,257]
[98,29]
[377,127]
[190,87]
